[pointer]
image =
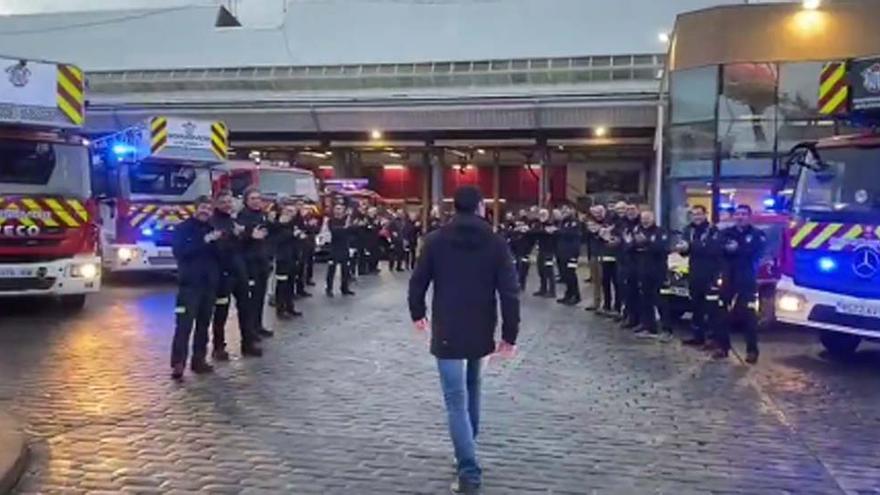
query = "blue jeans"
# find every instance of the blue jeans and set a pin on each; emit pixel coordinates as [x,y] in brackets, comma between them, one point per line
[460,380]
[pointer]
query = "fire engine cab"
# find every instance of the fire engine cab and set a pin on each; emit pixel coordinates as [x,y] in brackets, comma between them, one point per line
[146,179]
[831,258]
[48,236]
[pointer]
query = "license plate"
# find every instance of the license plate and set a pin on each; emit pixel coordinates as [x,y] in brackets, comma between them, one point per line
[858,309]
[166,253]
[16,272]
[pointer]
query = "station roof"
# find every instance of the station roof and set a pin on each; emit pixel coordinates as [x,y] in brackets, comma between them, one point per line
[340,32]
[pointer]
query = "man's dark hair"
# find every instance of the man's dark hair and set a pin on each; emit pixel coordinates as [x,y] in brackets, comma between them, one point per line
[223,193]
[251,190]
[745,208]
[204,200]
[699,207]
[467,199]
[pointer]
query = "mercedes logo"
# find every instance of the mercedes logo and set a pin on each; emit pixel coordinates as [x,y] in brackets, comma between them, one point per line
[866,262]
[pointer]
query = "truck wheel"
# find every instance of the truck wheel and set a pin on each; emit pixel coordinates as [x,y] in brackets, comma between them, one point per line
[74,302]
[839,345]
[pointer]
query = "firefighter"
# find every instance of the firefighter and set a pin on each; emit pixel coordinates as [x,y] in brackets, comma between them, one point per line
[372,248]
[412,234]
[286,235]
[435,221]
[233,282]
[607,254]
[594,223]
[304,250]
[615,243]
[340,250]
[629,274]
[397,240]
[521,244]
[742,245]
[195,248]
[256,255]
[543,231]
[650,245]
[700,243]
[568,248]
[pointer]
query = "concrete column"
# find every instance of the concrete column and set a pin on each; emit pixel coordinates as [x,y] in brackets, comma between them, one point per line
[544,182]
[426,184]
[437,166]
[342,168]
[496,188]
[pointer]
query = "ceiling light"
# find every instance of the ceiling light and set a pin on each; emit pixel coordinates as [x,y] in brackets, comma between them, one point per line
[481,151]
[375,134]
[600,131]
[812,4]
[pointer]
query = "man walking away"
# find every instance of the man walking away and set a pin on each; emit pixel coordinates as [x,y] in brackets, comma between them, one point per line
[412,232]
[544,230]
[700,243]
[651,250]
[743,245]
[198,271]
[470,268]
[233,282]
[568,250]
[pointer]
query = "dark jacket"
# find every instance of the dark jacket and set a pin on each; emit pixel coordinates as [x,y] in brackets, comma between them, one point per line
[546,240]
[652,253]
[372,226]
[256,251]
[740,272]
[471,269]
[340,237]
[197,261]
[704,253]
[568,241]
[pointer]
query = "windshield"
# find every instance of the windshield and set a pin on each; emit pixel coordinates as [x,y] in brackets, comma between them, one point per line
[177,182]
[31,167]
[290,183]
[848,186]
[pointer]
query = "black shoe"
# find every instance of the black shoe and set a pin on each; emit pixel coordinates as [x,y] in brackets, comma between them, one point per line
[282,315]
[564,300]
[304,294]
[251,351]
[329,292]
[590,308]
[694,342]
[752,357]
[550,295]
[201,367]
[296,314]
[265,333]
[310,283]
[619,318]
[459,486]
[720,354]
[540,293]
[220,355]
[177,371]
[630,325]
[347,293]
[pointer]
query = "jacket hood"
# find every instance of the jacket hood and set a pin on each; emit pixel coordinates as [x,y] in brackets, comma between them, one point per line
[469,232]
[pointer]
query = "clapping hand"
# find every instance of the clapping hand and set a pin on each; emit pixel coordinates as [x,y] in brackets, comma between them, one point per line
[260,233]
[731,246]
[237,229]
[213,236]
[682,246]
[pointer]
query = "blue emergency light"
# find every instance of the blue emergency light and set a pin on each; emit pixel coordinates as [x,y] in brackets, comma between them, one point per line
[827,264]
[148,232]
[123,149]
[770,203]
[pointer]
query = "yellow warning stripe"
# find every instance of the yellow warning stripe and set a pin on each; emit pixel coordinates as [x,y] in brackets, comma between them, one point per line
[33,206]
[838,74]
[835,103]
[806,230]
[62,213]
[23,220]
[158,122]
[135,221]
[78,208]
[823,236]
[853,233]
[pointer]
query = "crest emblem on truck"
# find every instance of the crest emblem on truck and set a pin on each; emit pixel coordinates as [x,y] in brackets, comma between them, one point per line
[871,78]
[866,262]
[189,128]
[19,75]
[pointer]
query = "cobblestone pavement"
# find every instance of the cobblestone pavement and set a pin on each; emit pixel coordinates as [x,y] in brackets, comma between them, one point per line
[347,401]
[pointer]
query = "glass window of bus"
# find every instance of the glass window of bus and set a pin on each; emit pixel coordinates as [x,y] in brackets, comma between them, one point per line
[30,167]
[849,184]
[692,94]
[184,182]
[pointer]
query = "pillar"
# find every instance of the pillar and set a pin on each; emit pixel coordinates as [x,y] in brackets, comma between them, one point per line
[544,178]
[496,188]
[427,177]
[437,177]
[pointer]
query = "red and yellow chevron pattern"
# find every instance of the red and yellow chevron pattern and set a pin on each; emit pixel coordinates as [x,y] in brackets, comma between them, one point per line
[831,236]
[158,134]
[220,139]
[158,216]
[51,212]
[71,93]
[833,89]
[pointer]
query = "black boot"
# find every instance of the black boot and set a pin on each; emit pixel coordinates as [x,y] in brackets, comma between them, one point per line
[200,367]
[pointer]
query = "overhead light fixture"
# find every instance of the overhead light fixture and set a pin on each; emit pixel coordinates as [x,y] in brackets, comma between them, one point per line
[812,4]
[375,134]
[600,131]
[663,37]
[481,151]
[325,167]
[393,167]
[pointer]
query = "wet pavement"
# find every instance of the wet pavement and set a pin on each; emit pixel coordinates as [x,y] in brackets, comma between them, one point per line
[347,401]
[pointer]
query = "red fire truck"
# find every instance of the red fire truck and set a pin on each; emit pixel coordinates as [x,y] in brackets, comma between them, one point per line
[146,178]
[48,235]
[831,258]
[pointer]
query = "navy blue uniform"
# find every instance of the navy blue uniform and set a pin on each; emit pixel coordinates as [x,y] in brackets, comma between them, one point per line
[198,272]
[742,248]
[568,249]
[651,251]
[629,276]
[340,254]
[704,266]
[544,235]
[257,257]
[233,281]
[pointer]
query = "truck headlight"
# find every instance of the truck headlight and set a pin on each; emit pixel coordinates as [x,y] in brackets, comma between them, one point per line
[790,303]
[126,254]
[87,271]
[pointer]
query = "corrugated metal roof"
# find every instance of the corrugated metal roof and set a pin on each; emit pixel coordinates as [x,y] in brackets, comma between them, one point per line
[332,32]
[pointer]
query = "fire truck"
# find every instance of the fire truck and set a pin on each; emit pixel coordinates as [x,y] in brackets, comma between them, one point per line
[48,235]
[831,258]
[273,181]
[146,179]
